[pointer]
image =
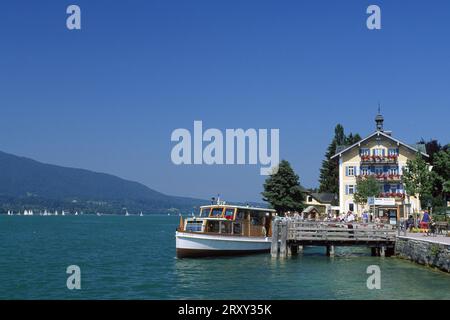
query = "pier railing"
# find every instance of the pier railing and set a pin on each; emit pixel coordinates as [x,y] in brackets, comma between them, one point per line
[290,233]
[339,232]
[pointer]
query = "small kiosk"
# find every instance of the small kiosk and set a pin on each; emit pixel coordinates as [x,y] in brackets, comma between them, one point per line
[384,208]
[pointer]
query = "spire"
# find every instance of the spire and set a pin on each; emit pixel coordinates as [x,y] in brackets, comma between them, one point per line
[379,119]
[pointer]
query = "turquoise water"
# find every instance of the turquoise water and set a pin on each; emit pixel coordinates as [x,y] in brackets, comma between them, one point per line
[134,258]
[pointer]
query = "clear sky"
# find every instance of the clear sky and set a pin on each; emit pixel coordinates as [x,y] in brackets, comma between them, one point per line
[107,97]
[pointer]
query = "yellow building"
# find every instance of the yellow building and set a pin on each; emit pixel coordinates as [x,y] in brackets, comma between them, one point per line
[323,202]
[383,157]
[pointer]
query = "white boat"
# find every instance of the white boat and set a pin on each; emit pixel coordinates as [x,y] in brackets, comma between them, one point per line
[56,212]
[141,215]
[9,213]
[126,214]
[76,213]
[99,214]
[63,213]
[225,230]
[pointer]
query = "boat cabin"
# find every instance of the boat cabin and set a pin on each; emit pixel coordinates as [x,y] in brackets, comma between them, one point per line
[230,220]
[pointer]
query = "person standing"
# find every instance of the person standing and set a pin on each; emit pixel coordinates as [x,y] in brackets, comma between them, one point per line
[365,217]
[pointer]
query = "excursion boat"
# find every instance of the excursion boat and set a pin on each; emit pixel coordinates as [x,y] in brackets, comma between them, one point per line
[223,229]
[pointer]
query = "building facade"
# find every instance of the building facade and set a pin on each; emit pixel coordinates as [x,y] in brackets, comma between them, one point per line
[384,157]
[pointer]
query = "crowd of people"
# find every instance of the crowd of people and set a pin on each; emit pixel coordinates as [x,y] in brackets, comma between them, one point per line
[423,222]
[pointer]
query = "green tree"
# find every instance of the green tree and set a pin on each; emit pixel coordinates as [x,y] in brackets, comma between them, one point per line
[417,177]
[366,188]
[282,190]
[441,172]
[352,139]
[329,173]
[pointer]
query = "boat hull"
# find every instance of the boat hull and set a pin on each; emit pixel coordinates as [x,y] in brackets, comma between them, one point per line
[193,245]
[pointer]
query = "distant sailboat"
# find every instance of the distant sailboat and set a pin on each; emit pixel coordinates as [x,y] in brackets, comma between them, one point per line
[56,212]
[63,213]
[30,213]
[9,213]
[127,214]
[141,215]
[45,212]
[99,214]
[76,213]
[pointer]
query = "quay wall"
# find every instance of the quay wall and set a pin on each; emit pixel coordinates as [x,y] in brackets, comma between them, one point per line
[428,253]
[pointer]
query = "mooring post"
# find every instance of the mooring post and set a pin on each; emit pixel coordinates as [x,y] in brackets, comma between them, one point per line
[383,251]
[283,244]
[275,238]
[330,251]
[294,249]
[289,250]
[374,251]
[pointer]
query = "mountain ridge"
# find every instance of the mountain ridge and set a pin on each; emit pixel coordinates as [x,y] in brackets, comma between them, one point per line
[26,183]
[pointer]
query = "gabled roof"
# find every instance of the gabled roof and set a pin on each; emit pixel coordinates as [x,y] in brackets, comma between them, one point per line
[324,197]
[310,209]
[380,133]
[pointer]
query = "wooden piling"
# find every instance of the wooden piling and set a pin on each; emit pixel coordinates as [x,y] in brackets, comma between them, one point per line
[330,251]
[383,251]
[283,239]
[275,238]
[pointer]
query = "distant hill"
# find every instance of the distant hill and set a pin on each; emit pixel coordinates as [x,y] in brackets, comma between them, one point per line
[29,184]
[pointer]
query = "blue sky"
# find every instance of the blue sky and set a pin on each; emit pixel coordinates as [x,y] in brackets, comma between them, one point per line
[107,97]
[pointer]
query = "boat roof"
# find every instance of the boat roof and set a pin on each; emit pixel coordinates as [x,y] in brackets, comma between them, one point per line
[238,207]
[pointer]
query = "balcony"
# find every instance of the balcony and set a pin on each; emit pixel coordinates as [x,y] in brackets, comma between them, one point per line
[390,159]
[383,177]
[396,195]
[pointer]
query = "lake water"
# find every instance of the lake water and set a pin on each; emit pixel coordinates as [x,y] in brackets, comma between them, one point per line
[134,258]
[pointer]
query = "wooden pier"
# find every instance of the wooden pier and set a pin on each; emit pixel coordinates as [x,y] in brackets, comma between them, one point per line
[290,235]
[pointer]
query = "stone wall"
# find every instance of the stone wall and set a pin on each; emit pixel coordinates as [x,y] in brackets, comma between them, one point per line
[423,252]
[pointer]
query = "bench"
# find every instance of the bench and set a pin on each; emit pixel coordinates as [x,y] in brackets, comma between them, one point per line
[442,227]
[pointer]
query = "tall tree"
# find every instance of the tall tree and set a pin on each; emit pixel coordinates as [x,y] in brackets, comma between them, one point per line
[352,139]
[441,173]
[417,177]
[282,190]
[329,173]
[432,147]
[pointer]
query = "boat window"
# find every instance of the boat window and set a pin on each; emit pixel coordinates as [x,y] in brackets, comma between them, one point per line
[237,228]
[243,214]
[194,226]
[216,212]
[225,227]
[256,217]
[240,215]
[205,212]
[229,213]
[213,226]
